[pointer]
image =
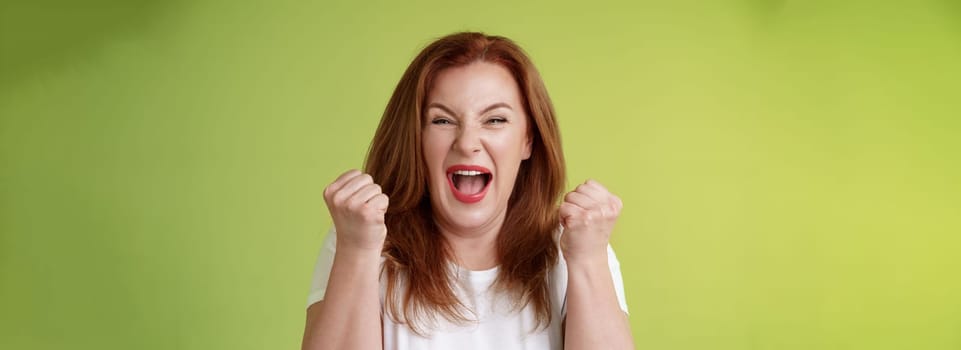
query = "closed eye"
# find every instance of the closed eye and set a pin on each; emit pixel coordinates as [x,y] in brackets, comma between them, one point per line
[497,120]
[441,121]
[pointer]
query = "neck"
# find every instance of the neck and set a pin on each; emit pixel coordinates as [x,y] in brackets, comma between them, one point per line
[475,248]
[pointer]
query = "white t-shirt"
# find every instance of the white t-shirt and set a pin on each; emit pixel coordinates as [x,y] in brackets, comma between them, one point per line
[493,325]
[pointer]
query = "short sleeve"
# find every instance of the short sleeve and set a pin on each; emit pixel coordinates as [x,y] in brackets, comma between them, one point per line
[325,260]
[615,267]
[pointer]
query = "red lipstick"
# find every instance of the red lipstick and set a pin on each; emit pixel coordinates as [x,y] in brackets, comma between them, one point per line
[472,174]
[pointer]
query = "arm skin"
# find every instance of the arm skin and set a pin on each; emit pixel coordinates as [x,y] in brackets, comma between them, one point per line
[349,317]
[594,318]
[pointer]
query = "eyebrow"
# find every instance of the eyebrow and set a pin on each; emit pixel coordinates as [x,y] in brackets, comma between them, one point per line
[488,109]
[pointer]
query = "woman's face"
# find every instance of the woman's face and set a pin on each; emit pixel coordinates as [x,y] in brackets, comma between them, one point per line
[475,137]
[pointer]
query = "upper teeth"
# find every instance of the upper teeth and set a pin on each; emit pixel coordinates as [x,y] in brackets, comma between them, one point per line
[467,172]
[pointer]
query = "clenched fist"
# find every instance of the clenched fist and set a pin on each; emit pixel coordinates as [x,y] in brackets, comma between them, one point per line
[357,206]
[588,215]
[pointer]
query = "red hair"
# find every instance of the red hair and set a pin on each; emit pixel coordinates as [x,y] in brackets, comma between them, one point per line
[419,280]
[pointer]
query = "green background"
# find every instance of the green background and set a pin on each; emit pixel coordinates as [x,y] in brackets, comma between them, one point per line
[790,169]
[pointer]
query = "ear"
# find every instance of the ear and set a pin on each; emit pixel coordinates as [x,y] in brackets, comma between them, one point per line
[528,145]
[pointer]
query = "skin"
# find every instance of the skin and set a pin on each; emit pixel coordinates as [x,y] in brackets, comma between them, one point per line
[594,318]
[351,305]
[474,116]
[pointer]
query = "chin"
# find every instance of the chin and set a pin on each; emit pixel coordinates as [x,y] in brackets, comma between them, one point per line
[472,219]
[468,217]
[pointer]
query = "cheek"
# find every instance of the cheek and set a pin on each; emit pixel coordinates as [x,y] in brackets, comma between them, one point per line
[510,146]
[434,151]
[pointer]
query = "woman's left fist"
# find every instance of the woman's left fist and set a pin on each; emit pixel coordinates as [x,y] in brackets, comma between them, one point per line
[588,215]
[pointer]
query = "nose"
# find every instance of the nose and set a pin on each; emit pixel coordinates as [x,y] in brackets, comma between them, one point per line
[468,140]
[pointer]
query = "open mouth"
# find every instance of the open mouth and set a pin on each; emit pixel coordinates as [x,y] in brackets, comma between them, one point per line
[469,183]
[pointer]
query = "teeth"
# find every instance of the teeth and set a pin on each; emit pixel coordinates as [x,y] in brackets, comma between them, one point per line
[467,172]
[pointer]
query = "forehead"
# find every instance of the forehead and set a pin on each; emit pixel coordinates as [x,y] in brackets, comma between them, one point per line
[473,85]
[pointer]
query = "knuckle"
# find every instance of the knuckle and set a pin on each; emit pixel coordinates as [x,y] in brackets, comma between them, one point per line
[351,207]
[329,192]
[602,213]
[615,209]
[339,198]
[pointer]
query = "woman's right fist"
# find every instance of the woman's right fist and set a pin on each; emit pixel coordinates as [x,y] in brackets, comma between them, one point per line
[357,206]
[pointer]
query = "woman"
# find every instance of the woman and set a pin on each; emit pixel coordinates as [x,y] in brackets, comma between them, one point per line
[453,237]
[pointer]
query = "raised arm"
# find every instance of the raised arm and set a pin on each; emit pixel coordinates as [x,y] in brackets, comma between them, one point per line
[594,317]
[349,316]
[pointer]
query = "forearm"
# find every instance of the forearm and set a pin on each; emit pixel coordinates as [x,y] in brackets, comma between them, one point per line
[594,318]
[350,316]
